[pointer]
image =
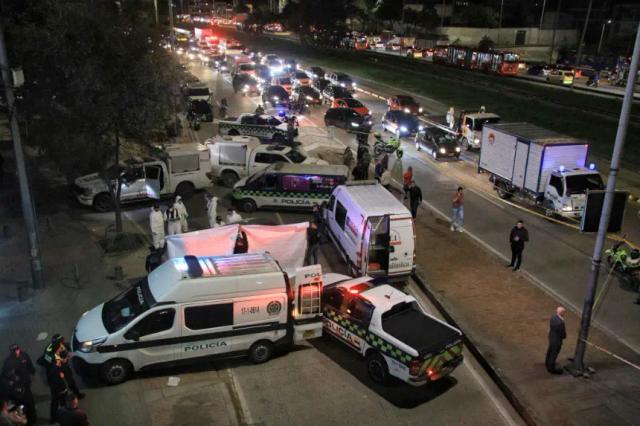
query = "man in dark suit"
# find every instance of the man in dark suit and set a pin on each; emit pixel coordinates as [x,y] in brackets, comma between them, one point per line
[557,333]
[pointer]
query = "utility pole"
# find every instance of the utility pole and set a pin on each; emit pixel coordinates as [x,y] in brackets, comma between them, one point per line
[608,21]
[577,367]
[544,5]
[172,34]
[28,210]
[155,9]
[555,27]
[442,17]
[500,22]
[584,31]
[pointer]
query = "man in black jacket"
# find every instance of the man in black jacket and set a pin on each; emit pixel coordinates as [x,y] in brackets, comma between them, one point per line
[17,371]
[557,333]
[519,235]
[415,198]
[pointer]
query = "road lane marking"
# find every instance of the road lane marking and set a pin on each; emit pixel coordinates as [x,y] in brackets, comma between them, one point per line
[245,414]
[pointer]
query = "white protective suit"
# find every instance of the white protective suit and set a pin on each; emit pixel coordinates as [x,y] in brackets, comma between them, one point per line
[212,211]
[156,222]
[173,220]
[233,217]
[182,212]
[451,117]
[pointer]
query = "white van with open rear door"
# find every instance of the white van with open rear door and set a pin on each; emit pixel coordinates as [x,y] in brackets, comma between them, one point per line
[196,307]
[372,229]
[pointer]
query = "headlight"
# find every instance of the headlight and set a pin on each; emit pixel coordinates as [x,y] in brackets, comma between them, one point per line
[457,149]
[567,208]
[354,124]
[342,84]
[223,68]
[476,140]
[246,88]
[353,84]
[90,345]
[420,109]
[275,98]
[309,98]
[369,123]
[403,129]
[407,110]
[420,128]
[442,151]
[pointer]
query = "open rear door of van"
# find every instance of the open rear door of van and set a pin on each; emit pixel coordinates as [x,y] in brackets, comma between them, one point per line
[307,309]
[401,246]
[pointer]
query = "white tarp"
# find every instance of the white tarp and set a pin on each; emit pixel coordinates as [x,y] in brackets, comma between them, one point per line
[286,243]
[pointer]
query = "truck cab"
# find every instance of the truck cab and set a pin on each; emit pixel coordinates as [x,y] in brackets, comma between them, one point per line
[471,128]
[565,192]
[177,169]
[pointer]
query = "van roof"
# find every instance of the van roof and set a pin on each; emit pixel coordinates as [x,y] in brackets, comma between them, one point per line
[179,280]
[310,169]
[373,198]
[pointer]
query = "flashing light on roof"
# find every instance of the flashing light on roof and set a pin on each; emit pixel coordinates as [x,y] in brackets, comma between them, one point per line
[592,166]
[561,168]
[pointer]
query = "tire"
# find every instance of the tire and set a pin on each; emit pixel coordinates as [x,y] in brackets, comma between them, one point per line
[103,203]
[229,178]
[378,150]
[260,352]
[465,144]
[234,132]
[247,205]
[116,371]
[185,190]
[377,368]
[502,191]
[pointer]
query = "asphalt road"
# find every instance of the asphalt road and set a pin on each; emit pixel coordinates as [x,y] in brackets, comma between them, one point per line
[557,258]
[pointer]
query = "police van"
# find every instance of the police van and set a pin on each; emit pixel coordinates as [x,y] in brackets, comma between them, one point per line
[194,307]
[373,231]
[390,330]
[288,186]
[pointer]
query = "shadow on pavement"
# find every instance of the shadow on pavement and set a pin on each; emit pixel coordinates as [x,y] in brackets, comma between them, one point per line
[398,393]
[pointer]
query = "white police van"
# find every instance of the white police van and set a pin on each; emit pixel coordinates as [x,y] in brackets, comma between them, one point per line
[193,307]
[288,186]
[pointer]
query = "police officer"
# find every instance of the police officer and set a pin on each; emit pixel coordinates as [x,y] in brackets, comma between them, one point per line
[17,371]
[58,387]
[59,351]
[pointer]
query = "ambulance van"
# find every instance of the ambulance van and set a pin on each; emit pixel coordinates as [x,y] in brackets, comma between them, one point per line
[194,307]
[372,229]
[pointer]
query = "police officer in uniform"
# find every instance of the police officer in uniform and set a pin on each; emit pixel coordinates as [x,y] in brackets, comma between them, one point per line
[17,371]
[59,351]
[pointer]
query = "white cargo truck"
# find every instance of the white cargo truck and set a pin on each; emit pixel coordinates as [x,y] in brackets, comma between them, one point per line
[539,165]
[234,157]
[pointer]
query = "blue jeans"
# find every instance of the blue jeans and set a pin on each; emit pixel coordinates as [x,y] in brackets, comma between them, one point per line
[457,218]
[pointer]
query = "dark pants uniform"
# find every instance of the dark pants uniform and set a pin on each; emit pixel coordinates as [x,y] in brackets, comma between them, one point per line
[552,355]
[58,388]
[516,255]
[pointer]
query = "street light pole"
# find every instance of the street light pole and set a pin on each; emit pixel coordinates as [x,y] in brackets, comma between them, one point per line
[608,21]
[28,210]
[155,9]
[584,31]
[544,5]
[577,367]
[555,27]
[442,17]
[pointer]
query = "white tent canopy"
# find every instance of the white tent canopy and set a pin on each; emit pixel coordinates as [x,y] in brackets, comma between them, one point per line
[286,243]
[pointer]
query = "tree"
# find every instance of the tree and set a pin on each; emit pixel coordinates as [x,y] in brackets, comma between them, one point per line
[95,78]
[485,44]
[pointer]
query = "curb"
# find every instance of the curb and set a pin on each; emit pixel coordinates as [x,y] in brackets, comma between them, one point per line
[525,413]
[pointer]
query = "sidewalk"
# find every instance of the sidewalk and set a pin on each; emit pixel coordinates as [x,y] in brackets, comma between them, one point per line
[507,318]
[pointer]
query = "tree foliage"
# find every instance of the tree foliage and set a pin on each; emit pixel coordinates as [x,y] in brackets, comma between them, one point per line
[486,44]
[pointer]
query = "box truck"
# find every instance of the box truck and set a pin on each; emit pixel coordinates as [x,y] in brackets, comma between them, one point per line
[540,165]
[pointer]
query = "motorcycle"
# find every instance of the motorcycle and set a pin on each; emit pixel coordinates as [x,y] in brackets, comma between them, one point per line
[592,82]
[624,262]
[381,146]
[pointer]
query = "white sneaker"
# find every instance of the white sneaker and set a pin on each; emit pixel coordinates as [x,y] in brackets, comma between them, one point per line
[452,228]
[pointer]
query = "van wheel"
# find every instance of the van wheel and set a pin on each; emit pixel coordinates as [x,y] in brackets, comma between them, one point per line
[501,189]
[185,190]
[116,371]
[248,205]
[465,144]
[261,352]
[103,203]
[234,132]
[377,368]
[229,178]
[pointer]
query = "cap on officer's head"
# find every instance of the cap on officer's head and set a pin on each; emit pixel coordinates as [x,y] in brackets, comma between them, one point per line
[57,338]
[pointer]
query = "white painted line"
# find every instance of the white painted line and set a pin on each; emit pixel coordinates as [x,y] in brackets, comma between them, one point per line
[244,407]
[280,221]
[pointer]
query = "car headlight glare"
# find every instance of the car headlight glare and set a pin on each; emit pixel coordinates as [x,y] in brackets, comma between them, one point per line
[567,208]
[403,129]
[89,346]
[420,128]
[476,140]
[407,110]
[353,84]
[309,98]
[342,84]
[354,124]
[442,151]
[420,109]
[275,98]
[457,149]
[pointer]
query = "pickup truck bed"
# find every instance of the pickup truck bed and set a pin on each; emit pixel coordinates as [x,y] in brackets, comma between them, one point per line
[419,331]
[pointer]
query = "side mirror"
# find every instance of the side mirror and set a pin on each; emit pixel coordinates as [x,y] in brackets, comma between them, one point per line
[132,335]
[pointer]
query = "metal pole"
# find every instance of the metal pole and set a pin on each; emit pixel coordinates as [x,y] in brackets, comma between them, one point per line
[584,31]
[555,27]
[577,367]
[155,9]
[28,210]
[500,22]
[544,5]
[608,21]
[442,17]
[171,29]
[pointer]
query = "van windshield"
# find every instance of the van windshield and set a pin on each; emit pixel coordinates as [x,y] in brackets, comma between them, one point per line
[127,306]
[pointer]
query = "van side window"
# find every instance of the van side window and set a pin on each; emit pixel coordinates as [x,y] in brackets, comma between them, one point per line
[208,316]
[556,182]
[341,215]
[296,183]
[155,322]
[360,310]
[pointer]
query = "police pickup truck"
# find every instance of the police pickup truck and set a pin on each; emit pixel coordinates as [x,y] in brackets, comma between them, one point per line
[264,127]
[388,328]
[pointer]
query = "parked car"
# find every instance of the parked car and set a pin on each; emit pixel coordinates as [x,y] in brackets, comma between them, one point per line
[275,95]
[320,84]
[561,76]
[316,72]
[400,123]
[539,70]
[201,109]
[348,119]
[404,103]
[351,103]
[284,82]
[300,78]
[343,80]
[263,73]
[246,84]
[311,95]
[438,142]
[332,92]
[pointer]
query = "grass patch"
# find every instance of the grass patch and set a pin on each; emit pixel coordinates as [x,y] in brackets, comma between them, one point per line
[576,114]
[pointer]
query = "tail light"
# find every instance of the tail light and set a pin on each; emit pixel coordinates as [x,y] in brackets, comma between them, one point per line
[414,367]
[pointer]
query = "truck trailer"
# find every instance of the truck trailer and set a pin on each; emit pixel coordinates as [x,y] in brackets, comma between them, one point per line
[545,167]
